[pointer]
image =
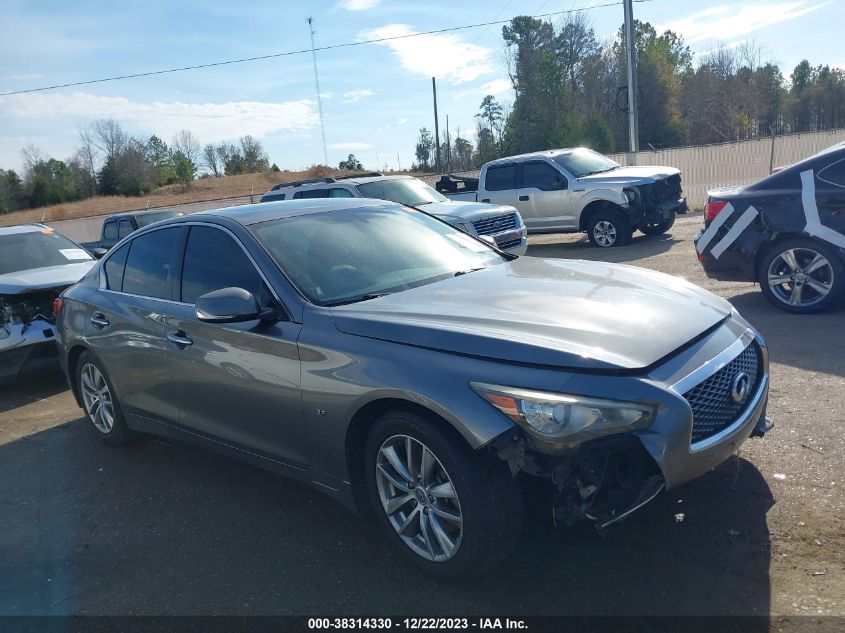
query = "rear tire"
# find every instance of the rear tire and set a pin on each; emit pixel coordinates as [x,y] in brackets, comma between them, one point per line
[659,228]
[608,228]
[802,276]
[454,512]
[99,401]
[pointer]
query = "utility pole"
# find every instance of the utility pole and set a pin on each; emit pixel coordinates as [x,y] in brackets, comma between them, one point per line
[448,147]
[633,114]
[436,125]
[319,96]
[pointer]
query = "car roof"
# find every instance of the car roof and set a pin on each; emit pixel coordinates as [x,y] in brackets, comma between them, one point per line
[23,228]
[549,153]
[322,184]
[133,214]
[266,211]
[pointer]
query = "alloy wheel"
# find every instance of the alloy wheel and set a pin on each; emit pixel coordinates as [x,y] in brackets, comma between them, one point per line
[97,398]
[419,498]
[605,233]
[800,277]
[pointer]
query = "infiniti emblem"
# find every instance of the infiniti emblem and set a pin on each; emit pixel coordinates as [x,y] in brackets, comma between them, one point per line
[740,386]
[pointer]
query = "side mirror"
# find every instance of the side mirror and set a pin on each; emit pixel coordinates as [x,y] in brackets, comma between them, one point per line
[229,305]
[562,183]
[99,252]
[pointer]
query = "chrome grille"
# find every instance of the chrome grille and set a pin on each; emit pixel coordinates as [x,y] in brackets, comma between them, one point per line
[495,224]
[510,244]
[713,408]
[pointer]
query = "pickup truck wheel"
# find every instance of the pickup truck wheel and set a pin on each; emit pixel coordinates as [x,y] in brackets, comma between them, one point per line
[609,228]
[802,276]
[100,402]
[659,228]
[454,512]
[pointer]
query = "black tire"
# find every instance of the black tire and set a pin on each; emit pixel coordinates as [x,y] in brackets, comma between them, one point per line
[603,222]
[660,227]
[489,500]
[775,265]
[116,432]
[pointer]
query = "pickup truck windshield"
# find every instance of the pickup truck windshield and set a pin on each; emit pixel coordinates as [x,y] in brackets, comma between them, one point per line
[409,191]
[146,219]
[354,255]
[584,162]
[38,249]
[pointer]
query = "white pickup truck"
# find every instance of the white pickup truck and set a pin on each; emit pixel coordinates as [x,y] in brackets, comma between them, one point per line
[577,190]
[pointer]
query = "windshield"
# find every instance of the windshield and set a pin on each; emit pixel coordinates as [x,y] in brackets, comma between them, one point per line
[583,162]
[37,249]
[146,219]
[352,254]
[409,191]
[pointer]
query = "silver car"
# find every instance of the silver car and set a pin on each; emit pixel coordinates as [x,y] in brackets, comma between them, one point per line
[409,370]
[36,265]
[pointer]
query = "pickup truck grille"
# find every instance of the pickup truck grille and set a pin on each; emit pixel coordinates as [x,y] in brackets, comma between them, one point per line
[713,407]
[660,191]
[495,224]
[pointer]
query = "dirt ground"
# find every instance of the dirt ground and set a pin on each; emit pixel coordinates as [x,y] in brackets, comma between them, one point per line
[161,528]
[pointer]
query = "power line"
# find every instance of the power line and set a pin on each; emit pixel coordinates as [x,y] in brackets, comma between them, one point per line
[242,60]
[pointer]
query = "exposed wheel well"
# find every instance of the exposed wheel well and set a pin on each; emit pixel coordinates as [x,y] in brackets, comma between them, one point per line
[72,358]
[356,437]
[594,207]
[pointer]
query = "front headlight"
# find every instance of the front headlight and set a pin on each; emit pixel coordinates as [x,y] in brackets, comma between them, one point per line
[557,416]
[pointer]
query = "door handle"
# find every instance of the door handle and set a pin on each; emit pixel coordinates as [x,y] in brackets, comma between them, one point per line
[180,339]
[99,320]
[523,198]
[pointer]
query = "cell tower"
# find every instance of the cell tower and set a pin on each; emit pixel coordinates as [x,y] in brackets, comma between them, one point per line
[319,96]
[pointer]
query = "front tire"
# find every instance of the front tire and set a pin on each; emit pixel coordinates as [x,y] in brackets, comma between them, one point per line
[659,228]
[802,276]
[608,228]
[455,513]
[100,402]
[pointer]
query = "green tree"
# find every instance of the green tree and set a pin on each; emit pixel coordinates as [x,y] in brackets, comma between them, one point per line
[351,162]
[424,148]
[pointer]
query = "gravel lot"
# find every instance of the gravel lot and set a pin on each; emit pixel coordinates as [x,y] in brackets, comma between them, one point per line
[161,528]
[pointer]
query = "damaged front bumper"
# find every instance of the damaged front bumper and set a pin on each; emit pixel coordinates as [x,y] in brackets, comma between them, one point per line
[26,348]
[606,479]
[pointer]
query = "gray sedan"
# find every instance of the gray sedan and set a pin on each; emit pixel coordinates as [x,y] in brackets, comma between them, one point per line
[410,370]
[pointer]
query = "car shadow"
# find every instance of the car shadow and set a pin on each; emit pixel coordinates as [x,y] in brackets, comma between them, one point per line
[814,342]
[570,247]
[24,390]
[155,527]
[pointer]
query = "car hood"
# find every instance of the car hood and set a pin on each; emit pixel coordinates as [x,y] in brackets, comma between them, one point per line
[631,175]
[465,211]
[564,313]
[44,278]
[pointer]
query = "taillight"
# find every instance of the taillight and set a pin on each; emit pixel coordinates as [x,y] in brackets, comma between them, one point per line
[57,306]
[712,209]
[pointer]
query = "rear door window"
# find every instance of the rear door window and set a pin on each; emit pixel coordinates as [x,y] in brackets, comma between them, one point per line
[125,228]
[541,176]
[311,193]
[339,192]
[149,264]
[834,174]
[110,231]
[500,178]
[213,260]
[114,267]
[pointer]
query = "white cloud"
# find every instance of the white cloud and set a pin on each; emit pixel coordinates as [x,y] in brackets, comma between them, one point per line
[494,87]
[349,146]
[357,5]
[402,121]
[444,56]
[356,95]
[209,121]
[731,21]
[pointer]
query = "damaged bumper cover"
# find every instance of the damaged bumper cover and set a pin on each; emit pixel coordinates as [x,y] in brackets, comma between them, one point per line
[27,333]
[710,410]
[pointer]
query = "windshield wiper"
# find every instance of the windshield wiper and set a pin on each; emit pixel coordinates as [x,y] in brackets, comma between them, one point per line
[359,298]
[469,270]
[599,171]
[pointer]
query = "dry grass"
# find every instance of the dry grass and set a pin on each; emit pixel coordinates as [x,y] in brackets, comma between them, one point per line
[203,189]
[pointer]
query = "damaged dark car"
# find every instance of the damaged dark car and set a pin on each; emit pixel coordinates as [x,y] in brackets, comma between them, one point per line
[36,265]
[411,371]
[786,232]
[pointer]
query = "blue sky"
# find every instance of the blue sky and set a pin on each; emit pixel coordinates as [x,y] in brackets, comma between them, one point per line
[375,97]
